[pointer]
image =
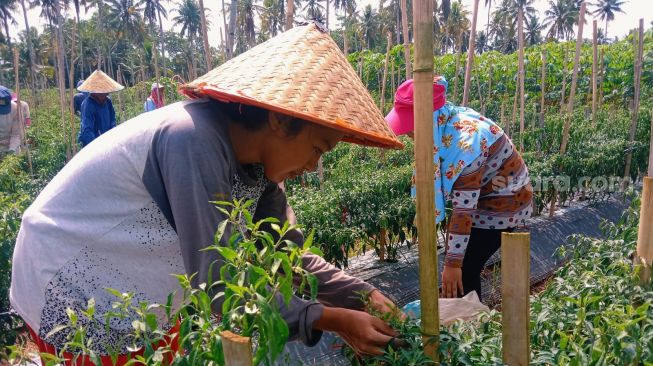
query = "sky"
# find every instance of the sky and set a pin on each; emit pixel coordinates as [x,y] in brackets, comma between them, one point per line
[633,10]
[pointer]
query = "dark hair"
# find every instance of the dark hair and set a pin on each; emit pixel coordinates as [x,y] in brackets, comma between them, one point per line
[254,118]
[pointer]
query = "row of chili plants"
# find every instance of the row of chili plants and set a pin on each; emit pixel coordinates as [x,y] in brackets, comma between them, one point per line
[366,192]
[593,311]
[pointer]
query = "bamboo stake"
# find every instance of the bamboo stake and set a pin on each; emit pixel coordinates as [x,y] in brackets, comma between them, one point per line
[574,79]
[644,254]
[520,27]
[424,158]
[382,244]
[385,72]
[515,291]
[601,68]
[564,78]
[650,152]
[71,78]
[470,55]
[237,349]
[404,30]
[21,118]
[543,88]
[635,115]
[594,72]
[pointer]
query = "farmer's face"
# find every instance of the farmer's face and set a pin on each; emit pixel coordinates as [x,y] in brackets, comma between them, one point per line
[290,156]
[99,97]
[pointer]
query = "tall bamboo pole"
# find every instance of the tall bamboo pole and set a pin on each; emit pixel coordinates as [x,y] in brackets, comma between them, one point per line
[515,291]
[424,158]
[60,75]
[574,79]
[71,78]
[644,255]
[404,30]
[21,118]
[639,53]
[594,72]
[520,27]
[543,88]
[385,71]
[470,55]
[563,90]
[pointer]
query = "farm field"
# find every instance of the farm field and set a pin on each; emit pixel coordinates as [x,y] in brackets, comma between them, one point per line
[593,308]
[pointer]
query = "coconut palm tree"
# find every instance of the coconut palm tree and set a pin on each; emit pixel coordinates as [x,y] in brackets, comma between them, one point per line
[272,18]
[561,17]
[533,28]
[188,17]
[606,9]
[312,7]
[7,8]
[125,17]
[369,26]
[151,11]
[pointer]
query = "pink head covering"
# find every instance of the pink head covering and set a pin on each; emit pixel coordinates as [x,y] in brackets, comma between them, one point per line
[401,118]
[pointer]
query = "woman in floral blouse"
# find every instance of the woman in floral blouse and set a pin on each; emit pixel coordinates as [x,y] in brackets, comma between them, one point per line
[479,170]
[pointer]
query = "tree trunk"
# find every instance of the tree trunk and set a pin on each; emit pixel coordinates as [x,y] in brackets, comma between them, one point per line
[30,47]
[290,13]
[639,53]
[594,72]
[520,27]
[345,42]
[327,14]
[601,71]
[385,72]
[100,23]
[226,36]
[162,41]
[574,79]
[205,37]
[470,55]
[231,34]
[404,30]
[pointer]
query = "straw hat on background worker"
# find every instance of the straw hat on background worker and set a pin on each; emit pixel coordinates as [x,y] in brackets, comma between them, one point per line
[100,83]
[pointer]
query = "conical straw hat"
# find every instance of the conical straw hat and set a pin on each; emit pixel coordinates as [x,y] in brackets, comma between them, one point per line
[99,82]
[301,73]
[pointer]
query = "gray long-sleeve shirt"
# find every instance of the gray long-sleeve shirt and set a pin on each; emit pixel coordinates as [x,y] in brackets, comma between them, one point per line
[132,209]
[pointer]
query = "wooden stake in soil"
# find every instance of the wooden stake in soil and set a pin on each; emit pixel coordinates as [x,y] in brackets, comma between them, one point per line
[639,53]
[515,292]
[543,87]
[382,244]
[385,72]
[594,72]
[520,27]
[428,257]
[237,349]
[21,118]
[470,55]
[650,151]
[404,30]
[574,79]
[644,254]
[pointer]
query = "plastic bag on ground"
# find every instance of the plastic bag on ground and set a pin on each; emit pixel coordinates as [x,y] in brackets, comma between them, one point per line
[465,308]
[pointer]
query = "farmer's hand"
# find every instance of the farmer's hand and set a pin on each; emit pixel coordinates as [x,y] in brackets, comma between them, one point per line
[382,304]
[366,334]
[452,282]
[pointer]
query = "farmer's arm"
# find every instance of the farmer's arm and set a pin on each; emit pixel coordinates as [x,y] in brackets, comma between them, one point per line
[87,129]
[367,334]
[464,196]
[112,115]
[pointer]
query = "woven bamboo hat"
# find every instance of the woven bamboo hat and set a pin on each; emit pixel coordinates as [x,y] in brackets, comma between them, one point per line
[99,82]
[301,73]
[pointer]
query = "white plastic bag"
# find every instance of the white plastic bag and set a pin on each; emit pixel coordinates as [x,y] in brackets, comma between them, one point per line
[465,308]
